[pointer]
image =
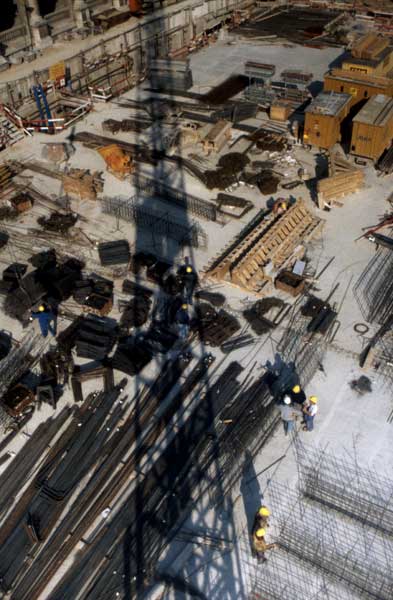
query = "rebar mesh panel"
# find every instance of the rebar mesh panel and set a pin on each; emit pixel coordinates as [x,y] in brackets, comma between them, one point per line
[306,352]
[374,288]
[286,578]
[360,494]
[346,551]
[160,224]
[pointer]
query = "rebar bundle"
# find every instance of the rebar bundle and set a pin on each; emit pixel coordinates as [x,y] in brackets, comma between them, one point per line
[374,288]
[160,224]
[334,482]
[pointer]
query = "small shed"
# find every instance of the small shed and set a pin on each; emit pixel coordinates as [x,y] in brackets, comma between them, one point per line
[322,126]
[359,85]
[372,130]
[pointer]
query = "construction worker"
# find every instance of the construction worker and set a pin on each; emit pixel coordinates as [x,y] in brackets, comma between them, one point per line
[45,319]
[261,519]
[280,206]
[189,280]
[259,545]
[289,414]
[297,395]
[182,318]
[310,409]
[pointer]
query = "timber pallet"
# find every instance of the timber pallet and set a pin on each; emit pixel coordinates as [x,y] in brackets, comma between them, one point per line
[273,240]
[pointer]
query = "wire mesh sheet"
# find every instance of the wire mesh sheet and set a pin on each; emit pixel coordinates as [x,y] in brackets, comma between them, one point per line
[360,494]
[345,550]
[306,352]
[159,223]
[374,288]
[283,578]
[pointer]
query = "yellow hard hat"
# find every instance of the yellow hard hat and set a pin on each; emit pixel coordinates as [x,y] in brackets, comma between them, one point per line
[284,205]
[41,308]
[313,399]
[260,533]
[184,306]
[264,511]
[189,269]
[296,389]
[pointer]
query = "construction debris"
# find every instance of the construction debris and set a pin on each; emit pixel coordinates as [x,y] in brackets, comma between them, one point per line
[82,184]
[58,222]
[118,162]
[256,314]
[56,153]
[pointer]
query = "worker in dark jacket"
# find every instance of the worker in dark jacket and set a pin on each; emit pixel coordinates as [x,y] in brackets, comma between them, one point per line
[189,280]
[45,319]
[259,544]
[182,318]
[297,395]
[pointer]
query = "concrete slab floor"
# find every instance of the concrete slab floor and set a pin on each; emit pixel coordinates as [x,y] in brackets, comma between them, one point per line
[348,425]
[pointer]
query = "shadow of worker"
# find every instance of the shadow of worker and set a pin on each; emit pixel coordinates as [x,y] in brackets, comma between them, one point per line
[250,490]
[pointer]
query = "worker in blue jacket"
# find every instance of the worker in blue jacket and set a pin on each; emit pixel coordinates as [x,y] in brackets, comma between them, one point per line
[45,319]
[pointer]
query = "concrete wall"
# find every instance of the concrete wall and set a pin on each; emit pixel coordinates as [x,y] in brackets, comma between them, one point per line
[127,51]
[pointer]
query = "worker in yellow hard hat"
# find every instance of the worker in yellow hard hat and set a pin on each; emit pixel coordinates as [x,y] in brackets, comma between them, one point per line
[310,409]
[261,518]
[46,319]
[279,206]
[297,395]
[189,279]
[259,544]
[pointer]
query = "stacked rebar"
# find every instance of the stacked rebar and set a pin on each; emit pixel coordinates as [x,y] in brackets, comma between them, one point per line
[114,253]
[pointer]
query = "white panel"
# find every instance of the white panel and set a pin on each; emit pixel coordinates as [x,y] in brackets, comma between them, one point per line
[200,11]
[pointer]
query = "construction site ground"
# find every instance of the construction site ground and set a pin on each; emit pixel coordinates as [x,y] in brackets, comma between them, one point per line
[355,427]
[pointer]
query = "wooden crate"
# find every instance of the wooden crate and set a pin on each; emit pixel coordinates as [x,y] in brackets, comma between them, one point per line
[280,112]
[17,399]
[290,282]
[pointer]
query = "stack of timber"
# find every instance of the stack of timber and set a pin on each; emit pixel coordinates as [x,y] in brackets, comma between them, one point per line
[269,241]
[339,164]
[338,185]
[6,175]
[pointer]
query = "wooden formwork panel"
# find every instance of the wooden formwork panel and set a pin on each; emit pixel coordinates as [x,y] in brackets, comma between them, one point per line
[339,186]
[271,241]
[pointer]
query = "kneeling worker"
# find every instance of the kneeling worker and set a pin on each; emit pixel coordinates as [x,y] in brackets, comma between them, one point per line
[259,545]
